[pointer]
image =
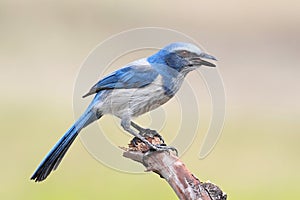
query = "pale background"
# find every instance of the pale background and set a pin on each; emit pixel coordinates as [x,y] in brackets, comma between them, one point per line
[42,45]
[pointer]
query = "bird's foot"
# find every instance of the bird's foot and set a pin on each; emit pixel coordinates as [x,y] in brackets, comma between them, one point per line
[163,147]
[146,132]
[147,144]
[152,133]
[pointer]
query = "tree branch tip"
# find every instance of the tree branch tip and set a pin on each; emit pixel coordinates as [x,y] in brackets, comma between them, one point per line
[169,167]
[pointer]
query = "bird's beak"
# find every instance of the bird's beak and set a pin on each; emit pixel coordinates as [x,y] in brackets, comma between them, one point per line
[199,61]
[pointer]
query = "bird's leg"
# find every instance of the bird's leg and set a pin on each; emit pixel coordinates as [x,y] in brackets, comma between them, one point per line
[126,125]
[147,132]
[160,147]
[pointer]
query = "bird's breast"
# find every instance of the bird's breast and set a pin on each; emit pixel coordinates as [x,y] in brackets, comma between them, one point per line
[136,101]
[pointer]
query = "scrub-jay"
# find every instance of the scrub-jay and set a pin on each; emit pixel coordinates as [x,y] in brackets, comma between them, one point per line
[129,92]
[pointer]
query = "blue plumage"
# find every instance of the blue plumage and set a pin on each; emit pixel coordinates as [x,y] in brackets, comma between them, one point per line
[133,90]
[133,76]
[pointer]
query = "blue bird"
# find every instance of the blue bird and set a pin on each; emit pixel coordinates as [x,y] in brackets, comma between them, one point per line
[129,92]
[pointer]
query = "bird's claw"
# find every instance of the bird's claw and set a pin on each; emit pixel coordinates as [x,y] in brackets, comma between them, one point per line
[157,148]
[163,147]
[149,137]
[152,133]
[152,147]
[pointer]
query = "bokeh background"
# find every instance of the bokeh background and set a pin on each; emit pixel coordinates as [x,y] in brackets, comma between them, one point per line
[42,46]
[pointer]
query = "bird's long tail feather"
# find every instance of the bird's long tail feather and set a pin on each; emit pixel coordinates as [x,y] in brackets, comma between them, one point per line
[54,157]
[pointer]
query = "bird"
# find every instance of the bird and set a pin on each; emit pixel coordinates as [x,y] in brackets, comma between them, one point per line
[129,92]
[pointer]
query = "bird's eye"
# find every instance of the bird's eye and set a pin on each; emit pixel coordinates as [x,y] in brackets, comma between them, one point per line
[184,53]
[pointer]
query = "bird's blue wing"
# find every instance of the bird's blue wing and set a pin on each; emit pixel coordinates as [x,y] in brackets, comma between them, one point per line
[132,76]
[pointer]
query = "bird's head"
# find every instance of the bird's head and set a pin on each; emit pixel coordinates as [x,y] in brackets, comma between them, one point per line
[183,57]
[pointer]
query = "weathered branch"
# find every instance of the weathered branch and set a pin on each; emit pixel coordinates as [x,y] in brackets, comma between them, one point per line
[174,171]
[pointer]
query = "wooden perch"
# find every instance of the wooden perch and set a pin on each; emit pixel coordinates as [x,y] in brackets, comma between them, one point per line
[174,171]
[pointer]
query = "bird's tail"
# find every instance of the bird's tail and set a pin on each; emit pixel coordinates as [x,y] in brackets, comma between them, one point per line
[54,157]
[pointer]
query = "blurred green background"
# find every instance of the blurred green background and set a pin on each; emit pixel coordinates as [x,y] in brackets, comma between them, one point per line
[43,43]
